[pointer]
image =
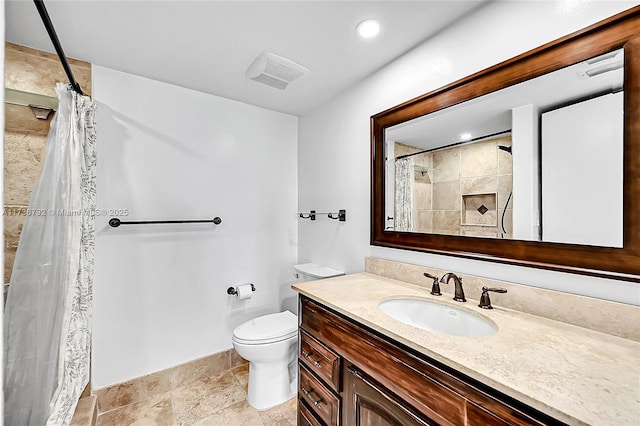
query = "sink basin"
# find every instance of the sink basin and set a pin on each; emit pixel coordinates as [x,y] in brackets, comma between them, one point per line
[437,317]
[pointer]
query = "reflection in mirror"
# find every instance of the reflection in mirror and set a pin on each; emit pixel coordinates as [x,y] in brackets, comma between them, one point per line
[454,190]
[538,161]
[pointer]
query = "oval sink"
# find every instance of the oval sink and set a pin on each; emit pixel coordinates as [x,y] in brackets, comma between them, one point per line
[436,317]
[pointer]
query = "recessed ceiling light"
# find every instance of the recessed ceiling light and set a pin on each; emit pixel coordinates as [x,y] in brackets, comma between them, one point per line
[465,136]
[368,28]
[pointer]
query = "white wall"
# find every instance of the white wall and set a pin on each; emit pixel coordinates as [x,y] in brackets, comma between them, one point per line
[334,145]
[166,152]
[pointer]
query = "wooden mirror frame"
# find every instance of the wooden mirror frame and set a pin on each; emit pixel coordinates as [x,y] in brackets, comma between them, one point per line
[619,31]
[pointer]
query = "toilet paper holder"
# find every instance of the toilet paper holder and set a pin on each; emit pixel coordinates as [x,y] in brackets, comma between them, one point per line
[232,290]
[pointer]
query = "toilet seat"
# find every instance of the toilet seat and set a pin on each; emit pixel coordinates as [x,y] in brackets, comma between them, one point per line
[267,329]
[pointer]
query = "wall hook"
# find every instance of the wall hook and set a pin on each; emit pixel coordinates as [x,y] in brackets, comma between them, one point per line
[311,215]
[341,215]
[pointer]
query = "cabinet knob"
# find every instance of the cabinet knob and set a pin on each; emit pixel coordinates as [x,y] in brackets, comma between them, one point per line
[308,392]
[351,369]
[309,355]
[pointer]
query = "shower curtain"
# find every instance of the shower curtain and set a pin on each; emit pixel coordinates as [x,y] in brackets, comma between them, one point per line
[404,194]
[47,319]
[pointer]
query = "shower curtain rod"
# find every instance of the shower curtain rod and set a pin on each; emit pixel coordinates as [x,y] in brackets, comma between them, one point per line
[56,44]
[454,144]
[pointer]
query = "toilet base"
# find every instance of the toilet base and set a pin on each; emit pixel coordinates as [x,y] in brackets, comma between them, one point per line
[269,385]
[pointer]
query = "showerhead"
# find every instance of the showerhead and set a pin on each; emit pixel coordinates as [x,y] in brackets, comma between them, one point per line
[505,148]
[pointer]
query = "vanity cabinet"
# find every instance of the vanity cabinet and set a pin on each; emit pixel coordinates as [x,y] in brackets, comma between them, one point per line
[352,375]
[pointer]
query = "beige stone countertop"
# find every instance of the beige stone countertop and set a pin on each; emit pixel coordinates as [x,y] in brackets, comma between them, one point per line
[575,375]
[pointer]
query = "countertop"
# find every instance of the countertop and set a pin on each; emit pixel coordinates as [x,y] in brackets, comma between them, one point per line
[575,375]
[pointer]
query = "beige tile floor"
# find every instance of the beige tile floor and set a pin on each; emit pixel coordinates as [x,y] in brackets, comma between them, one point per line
[211,401]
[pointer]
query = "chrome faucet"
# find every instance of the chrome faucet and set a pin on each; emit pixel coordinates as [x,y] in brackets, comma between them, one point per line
[459,292]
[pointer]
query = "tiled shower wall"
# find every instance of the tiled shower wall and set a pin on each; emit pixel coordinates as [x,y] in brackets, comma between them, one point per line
[465,190]
[33,71]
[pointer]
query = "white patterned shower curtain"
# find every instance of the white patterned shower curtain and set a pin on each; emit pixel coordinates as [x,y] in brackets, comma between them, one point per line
[47,318]
[403,216]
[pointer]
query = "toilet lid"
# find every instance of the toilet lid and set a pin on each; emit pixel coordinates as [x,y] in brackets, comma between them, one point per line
[267,328]
[316,271]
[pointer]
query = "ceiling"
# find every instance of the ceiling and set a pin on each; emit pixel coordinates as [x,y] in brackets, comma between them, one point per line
[208,45]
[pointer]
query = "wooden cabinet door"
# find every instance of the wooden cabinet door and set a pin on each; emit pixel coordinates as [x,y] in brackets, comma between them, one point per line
[366,403]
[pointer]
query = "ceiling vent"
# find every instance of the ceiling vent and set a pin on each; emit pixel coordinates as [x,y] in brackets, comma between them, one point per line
[601,64]
[275,71]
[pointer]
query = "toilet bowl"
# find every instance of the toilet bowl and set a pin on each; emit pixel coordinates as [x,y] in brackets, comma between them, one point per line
[269,343]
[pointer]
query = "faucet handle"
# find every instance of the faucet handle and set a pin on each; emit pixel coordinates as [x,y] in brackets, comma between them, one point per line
[435,288]
[485,302]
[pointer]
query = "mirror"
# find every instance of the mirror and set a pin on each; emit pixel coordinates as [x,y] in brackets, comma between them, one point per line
[533,162]
[557,137]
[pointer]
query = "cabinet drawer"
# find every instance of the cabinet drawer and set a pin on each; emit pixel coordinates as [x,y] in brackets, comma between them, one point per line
[320,400]
[322,361]
[305,416]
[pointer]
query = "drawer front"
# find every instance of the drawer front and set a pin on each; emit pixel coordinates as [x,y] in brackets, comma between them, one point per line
[305,416]
[322,361]
[318,398]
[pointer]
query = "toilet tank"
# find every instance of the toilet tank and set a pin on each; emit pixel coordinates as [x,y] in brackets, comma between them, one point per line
[312,271]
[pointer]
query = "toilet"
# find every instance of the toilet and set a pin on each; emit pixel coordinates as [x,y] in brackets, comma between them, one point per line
[270,344]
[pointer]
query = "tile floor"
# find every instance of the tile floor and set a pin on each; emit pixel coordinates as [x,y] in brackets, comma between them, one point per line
[211,401]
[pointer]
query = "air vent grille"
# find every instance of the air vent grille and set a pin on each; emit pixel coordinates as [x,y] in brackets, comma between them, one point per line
[275,71]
